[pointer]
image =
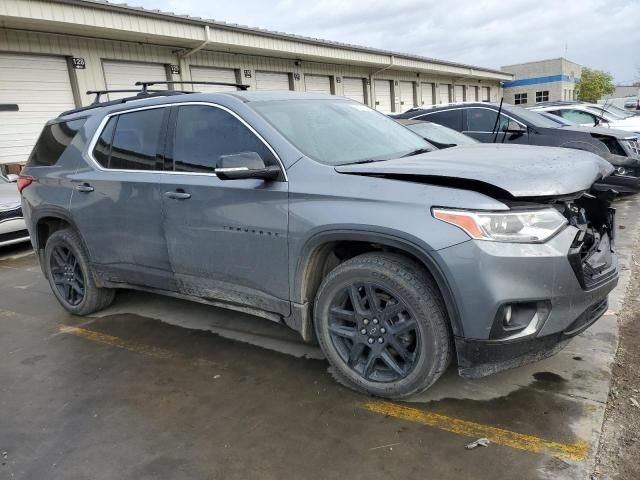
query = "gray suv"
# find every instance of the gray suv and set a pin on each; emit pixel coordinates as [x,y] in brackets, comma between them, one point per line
[323,215]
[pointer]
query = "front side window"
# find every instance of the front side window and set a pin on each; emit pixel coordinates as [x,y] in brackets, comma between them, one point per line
[131,141]
[578,116]
[203,134]
[542,96]
[484,120]
[520,98]
[337,132]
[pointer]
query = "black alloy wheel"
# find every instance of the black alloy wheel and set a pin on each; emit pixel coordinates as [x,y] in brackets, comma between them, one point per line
[67,275]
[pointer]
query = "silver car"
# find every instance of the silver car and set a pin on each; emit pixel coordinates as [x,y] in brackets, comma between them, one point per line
[12,226]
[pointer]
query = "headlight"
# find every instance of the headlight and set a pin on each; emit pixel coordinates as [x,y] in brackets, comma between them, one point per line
[530,226]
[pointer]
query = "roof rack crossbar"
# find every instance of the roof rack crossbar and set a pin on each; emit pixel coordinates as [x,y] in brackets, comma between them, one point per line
[99,93]
[146,85]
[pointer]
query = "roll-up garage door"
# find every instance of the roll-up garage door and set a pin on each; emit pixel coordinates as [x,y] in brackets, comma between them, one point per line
[458,93]
[472,94]
[383,96]
[406,96]
[486,94]
[211,74]
[124,75]
[353,88]
[41,88]
[445,94]
[427,94]
[272,81]
[318,84]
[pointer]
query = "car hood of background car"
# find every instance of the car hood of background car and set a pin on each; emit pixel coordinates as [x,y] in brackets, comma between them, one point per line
[521,171]
[612,132]
[9,196]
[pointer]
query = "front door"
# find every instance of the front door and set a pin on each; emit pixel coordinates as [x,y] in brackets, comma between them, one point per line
[227,239]
[116,204]
[481,125]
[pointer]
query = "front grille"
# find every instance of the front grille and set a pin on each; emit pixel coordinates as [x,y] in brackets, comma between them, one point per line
[597,268]
[6,237]
[8,214]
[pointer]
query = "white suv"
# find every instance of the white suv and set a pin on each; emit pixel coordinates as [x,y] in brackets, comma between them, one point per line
[590,114]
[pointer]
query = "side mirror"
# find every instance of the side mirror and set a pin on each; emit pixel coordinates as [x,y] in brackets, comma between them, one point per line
[514,127]
[12,177]
[239,166]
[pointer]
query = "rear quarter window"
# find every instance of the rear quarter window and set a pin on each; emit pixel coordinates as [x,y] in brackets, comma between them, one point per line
[53,141]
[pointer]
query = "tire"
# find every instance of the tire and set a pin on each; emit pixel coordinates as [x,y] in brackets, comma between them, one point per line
[68,270]
[395,349]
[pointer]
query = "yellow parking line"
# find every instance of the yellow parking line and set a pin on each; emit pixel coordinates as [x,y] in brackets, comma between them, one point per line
[132,346]
[574,451]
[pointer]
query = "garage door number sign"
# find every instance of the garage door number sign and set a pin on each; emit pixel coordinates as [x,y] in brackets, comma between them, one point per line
[78,63]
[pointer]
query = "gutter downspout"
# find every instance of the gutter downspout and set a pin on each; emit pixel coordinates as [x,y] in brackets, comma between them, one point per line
[371,83]
[207,39]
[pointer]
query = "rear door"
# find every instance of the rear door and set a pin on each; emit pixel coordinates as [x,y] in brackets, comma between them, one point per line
[227,239]
[115,203]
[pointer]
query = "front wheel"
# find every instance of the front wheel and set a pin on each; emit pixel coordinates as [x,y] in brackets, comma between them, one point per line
[380,321]
[69,273]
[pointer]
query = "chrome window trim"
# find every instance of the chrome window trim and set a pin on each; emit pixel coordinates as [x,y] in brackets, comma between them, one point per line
[418,117]
[103,123]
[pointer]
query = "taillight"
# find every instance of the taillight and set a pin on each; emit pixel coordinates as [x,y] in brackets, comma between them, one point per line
[23,182]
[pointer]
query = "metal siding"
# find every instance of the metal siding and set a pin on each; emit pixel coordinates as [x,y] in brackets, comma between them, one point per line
[124,75]
[210,74]
[318,83]
[41,87]
[272,81]
[383,96]
[353,88]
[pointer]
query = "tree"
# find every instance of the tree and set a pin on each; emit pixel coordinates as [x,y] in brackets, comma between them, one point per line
[593,85]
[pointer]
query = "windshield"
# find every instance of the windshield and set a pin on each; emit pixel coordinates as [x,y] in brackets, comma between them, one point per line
[557,119]
[608,116]
[440,134]
[337,132]
[532,118]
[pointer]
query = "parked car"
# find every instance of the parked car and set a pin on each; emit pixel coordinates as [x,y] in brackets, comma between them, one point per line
[587,114]
[319,213]
[437,135]
[12,227]
[521,126]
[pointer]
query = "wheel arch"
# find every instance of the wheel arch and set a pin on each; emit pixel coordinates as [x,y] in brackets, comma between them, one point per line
[310,271]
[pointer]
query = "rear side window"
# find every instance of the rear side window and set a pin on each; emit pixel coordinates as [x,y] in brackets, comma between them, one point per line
[484,120]
[53,141]
[448,118]
[132,141]
[203,134]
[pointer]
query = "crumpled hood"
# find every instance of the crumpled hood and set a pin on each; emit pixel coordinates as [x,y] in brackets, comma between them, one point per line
[9,196]
[522,171]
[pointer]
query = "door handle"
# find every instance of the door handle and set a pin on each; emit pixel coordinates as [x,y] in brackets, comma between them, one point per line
[177,195]
[84,188]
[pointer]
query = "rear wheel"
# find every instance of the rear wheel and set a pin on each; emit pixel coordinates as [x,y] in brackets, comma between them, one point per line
[381,324]
[69,274]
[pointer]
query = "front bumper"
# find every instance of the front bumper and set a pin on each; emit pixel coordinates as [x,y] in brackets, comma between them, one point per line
[486,276]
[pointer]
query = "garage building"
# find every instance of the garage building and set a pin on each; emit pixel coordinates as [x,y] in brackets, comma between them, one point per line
[51,53]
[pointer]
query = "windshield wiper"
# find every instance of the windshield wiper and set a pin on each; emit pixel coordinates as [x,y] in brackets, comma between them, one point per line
[416,152]
[360,162]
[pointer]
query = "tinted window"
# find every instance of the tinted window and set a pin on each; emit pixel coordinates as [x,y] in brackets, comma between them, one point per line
[448,118]
[203,134]
[484,120]
[136,140]
[102,150]
[53,141]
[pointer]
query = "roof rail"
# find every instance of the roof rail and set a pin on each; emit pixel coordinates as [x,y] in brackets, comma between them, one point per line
[99,93]
[145,85]
[139,96]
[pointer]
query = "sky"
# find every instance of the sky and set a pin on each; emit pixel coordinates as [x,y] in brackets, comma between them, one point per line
[600,34]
